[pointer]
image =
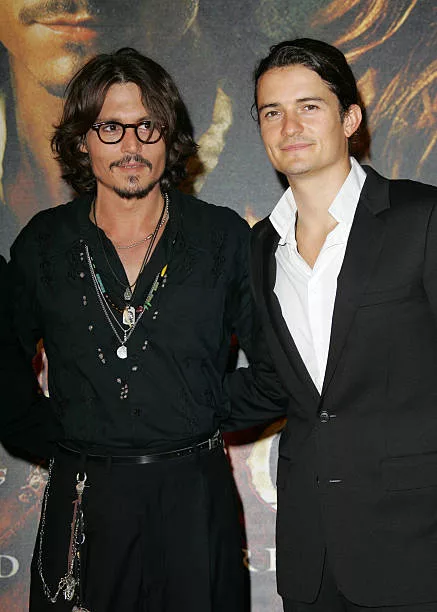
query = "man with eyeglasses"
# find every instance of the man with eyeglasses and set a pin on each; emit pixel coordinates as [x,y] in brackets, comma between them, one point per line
[42,44]
[135,290]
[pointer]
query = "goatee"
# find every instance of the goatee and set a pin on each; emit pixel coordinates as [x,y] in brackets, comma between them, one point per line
[135,192]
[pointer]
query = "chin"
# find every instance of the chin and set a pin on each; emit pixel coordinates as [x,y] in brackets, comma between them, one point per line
[58,72]
[136,193]
[296,170]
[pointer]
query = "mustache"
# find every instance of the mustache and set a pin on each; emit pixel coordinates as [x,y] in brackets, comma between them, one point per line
[296,140]
[127,159]
[51,8]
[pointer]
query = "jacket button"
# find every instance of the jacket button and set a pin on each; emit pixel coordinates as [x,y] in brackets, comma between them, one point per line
[324,416]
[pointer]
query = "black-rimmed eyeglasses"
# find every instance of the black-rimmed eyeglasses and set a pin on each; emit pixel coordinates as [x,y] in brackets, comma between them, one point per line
[111,132]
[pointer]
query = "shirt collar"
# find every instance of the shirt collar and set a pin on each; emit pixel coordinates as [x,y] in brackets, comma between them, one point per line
[87,229]
[281,219]
[342,208]
[345,202]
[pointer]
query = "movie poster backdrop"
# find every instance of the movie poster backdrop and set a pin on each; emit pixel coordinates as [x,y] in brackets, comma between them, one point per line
[211,48]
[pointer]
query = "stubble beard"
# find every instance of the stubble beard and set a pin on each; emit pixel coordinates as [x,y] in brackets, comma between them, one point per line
[134,189]
[297,168]
[297,171]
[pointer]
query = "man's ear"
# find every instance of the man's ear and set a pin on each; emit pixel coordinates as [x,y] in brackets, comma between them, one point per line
[352,120]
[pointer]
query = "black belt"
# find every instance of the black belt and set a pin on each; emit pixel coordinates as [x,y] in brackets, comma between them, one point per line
[214,442]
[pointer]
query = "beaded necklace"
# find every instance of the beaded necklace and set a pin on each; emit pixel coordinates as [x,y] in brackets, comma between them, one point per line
[130,288]
[129,320]
[128,312]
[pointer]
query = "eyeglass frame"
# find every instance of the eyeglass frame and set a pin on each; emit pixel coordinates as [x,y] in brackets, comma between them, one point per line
[96,127]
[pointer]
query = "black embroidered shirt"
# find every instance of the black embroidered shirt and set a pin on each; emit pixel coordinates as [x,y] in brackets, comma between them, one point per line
[168,391]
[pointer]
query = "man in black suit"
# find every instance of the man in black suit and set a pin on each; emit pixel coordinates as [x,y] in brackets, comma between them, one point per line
[344,274]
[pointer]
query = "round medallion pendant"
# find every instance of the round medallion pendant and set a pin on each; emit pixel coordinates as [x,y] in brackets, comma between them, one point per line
[122,352]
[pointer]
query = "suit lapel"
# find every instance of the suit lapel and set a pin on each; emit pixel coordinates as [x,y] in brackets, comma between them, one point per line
[264,265]
[362,252]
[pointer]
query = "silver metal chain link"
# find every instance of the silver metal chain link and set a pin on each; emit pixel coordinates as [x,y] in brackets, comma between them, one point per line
[107,309]
[68,582]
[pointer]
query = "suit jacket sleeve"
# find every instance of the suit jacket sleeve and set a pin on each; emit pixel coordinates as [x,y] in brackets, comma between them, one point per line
[256,395]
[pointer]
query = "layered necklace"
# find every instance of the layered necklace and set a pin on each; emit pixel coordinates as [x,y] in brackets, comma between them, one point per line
[129,288]
[130,315]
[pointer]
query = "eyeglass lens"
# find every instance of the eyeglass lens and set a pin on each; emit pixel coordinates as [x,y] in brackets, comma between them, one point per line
[113,132]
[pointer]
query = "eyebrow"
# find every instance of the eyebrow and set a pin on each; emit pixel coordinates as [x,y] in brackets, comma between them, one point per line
[112,120]
[298,101]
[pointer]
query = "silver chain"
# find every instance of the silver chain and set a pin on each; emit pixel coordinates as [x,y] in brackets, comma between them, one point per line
[130,289]
[163,221]
[68,582]
[107,309]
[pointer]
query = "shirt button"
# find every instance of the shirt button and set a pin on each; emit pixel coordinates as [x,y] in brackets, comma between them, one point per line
[136,412]
[324,416]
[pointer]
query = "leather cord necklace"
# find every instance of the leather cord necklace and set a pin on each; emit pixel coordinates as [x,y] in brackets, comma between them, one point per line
[128,326]
[130,288]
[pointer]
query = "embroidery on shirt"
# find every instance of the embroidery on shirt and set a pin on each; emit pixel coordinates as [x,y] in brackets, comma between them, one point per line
[75,260]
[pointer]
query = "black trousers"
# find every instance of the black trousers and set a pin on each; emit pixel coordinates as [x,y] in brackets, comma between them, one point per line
[161,537]
[330,599]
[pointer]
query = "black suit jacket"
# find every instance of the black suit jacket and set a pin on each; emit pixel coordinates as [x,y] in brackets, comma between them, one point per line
[357,473]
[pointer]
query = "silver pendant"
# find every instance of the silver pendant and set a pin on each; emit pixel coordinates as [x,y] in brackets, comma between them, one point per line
[129,316]
[122,352]
[70,587]
[127,294]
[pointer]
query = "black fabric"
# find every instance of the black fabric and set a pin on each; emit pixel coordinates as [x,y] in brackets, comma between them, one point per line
[26,420]
[165,536]
[330,599]
[158,537]
[361,484]
[168,392]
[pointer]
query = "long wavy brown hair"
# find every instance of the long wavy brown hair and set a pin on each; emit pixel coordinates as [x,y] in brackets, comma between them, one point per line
[85,96]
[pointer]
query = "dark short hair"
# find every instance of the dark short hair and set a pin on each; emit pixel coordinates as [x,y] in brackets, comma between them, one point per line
[324,59]
[85,95]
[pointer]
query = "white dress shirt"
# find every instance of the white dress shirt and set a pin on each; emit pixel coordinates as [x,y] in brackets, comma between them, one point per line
[306,294]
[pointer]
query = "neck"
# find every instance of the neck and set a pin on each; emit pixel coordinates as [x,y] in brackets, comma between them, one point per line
[38,183]
[125,221]
[314,194]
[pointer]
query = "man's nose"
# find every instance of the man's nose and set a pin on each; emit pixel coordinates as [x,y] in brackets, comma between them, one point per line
[130,141]
[291,124]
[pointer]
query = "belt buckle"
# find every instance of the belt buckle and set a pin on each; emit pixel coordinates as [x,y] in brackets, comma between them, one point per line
[214,440]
